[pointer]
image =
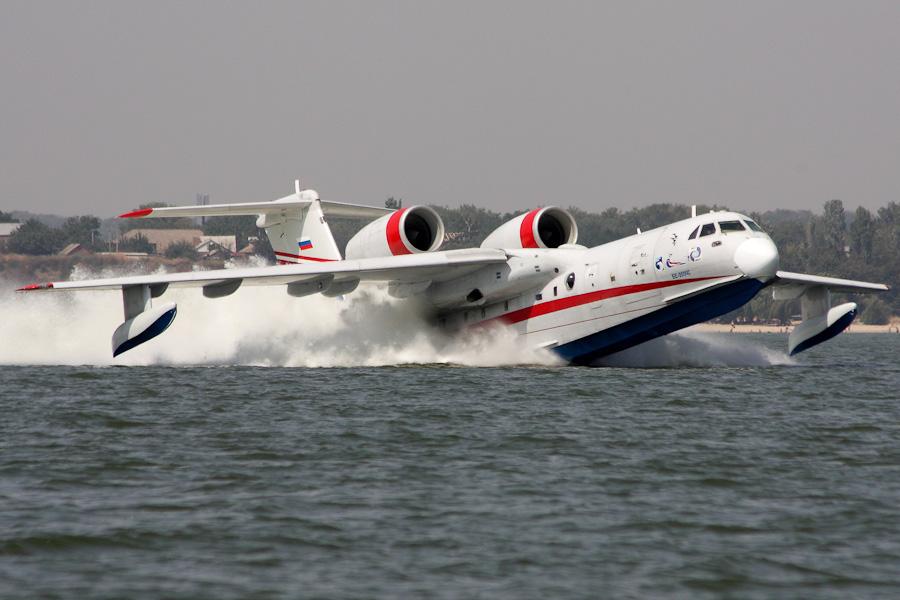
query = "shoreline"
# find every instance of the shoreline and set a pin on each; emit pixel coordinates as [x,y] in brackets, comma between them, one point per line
[892,328]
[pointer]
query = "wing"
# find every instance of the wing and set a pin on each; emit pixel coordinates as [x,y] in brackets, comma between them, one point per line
[408,268]
[802,281]
[334,209]
[407,274]
[821,321]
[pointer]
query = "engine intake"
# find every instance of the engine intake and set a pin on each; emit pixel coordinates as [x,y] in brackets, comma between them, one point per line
[405,231]
[548,227]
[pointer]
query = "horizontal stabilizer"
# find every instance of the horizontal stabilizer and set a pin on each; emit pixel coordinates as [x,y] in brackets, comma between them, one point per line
[282,206]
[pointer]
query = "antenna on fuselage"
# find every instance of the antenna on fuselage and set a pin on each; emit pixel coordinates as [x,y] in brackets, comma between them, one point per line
[693,210]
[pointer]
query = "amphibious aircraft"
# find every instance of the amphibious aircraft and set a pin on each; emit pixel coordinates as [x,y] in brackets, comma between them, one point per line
[529,274]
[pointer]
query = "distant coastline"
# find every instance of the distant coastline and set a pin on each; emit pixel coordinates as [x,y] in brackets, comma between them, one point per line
[18,269]
[893,327]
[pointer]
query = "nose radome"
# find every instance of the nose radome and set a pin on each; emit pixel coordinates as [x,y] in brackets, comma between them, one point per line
[757,258]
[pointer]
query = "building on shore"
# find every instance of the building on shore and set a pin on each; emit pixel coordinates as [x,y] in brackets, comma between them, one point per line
[73,249]
[207,246]
[6,230]
[161,239]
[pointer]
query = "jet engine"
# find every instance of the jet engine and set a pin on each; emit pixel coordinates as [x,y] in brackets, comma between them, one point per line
[548,227]
[405,231]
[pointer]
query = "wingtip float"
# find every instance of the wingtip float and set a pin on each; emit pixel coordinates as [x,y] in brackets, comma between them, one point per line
[143,327]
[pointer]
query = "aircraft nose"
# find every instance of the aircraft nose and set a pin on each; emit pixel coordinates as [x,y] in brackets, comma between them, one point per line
[757,258]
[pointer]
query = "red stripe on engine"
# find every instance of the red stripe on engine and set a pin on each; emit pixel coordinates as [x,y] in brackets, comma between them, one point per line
[552,306]
[394,239]
[526,230]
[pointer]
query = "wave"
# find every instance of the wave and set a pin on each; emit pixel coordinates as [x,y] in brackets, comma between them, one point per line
[697,349]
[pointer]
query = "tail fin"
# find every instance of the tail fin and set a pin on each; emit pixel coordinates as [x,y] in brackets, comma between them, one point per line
[295,224]
[300,235]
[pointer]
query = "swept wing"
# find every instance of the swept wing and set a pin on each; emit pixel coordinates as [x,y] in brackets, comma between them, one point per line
[821,321]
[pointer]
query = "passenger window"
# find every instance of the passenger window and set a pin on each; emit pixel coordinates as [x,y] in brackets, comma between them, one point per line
[694,233]
[731,226]
[570,281]
[753,226]
[707,229]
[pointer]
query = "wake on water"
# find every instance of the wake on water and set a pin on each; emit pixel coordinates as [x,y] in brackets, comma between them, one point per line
[263,326]
[696,349]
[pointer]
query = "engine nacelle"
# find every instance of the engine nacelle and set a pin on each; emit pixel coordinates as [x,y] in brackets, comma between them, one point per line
[405,231]
[548,227]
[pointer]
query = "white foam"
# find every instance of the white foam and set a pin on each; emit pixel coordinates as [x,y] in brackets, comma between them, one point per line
[255,326]
[697,349]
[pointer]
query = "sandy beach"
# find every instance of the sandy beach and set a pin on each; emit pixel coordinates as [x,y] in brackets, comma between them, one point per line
[893,327]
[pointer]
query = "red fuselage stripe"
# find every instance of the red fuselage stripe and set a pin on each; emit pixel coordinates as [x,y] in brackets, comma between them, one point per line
[312,258]
[552,306]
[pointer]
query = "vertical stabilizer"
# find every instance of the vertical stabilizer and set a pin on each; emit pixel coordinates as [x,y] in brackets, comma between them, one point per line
[300,234]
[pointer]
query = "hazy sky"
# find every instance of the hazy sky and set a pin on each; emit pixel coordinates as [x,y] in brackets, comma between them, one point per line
[757,105]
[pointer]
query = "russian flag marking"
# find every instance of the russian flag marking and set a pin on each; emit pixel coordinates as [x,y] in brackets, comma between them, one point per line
[305,244]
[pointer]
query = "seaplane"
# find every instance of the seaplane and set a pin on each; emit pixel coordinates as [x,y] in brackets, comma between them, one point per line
[530,274]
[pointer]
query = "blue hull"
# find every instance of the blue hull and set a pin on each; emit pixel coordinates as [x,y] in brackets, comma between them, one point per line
[703,307]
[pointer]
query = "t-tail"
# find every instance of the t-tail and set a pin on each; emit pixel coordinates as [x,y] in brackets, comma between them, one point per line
[296,228]
[295,225]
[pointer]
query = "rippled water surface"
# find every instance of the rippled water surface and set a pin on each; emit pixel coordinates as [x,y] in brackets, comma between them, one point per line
[771,479]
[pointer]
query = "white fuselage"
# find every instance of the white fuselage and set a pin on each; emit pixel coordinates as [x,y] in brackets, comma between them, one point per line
[587,302]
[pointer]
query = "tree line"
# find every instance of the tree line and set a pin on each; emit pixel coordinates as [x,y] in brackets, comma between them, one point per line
[862,244]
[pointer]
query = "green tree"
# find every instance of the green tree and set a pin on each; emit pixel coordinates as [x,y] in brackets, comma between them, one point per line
[467,225]
[181,249]
[393,203]
[7,218]
[84,230]
[138,243]
[241,227]
[33,237]
[862,233]
[835,226]
[876,312]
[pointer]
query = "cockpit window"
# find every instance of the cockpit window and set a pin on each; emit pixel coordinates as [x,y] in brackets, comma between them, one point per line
[707,229]
[731,226]
[694,233]
[753,226]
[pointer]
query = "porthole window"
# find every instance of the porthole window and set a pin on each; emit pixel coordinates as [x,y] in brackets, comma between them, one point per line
[570,281]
